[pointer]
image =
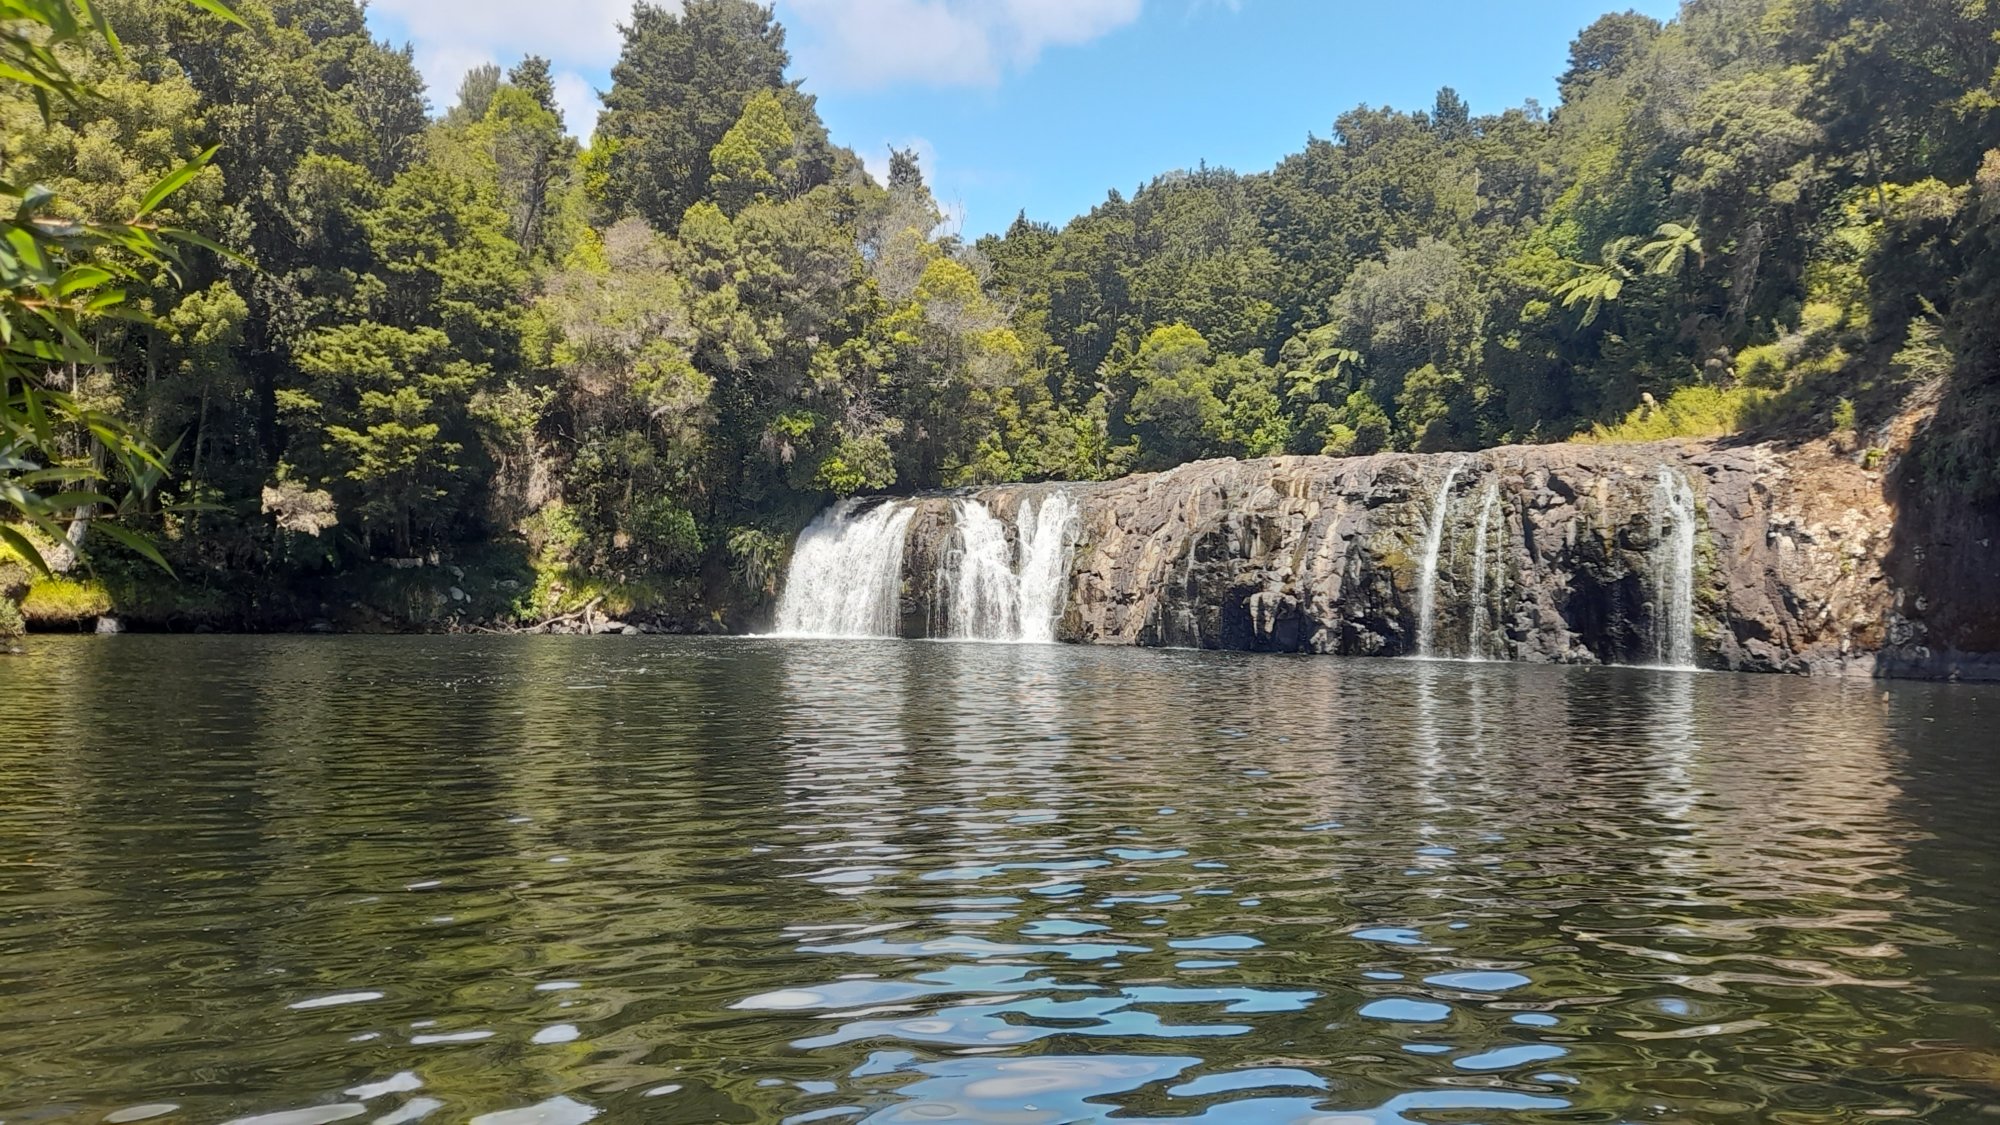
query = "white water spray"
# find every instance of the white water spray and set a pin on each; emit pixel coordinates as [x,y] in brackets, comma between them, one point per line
[984,593]
[1427,577]
[1488,505]
[1048,542]
[1011,592]
[1673,570]
[846,575]
[994,583]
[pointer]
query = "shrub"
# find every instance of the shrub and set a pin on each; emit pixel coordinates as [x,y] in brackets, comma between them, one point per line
[1699,411]
[754,555]
[1762,366]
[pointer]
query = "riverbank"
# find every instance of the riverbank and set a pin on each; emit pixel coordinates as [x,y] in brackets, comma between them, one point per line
[481,589]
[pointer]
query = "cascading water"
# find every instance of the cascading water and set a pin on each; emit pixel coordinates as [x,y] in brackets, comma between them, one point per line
[1427,577]
[1001,591]
[1048,540]
[1673,569]
[993,584]
[1489,504]
[846,575]
[985,595]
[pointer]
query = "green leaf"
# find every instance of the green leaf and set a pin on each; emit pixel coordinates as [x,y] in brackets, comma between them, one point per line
[78,278]
[216,8]
[209,244]
[136,543]
[103,303]
[33,202]
[175,180]
[62,500]
[20,546]
[103,27]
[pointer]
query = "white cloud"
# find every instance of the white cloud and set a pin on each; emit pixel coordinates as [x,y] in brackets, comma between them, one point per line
[578,101]
[872,43]
[453,36]
[585,32]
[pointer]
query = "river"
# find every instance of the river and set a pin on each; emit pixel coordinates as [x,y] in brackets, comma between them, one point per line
[545,880]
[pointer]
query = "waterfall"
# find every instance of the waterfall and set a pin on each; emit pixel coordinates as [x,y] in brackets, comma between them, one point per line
[1673,570]
[985,594]
[1048,540]
[846,575]
[1427,577]
[1001,591]
[1488,504]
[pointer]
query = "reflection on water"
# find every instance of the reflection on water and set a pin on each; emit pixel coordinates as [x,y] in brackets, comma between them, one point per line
[546,881]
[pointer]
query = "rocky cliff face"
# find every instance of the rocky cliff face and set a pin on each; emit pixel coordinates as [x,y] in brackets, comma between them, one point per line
[1317,555]
[1739,556]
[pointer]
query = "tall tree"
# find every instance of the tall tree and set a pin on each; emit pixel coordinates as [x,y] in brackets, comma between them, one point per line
[681,81]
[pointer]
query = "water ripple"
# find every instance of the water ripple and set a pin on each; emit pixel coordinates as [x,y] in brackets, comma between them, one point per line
[429,879]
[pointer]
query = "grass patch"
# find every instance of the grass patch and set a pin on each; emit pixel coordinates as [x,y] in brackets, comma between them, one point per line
[1691,412]
[55,602]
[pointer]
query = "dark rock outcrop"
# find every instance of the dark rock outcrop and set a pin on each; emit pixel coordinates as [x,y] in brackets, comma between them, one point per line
[1323,555]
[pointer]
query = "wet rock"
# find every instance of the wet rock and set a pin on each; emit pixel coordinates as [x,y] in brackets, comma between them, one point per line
[109,626]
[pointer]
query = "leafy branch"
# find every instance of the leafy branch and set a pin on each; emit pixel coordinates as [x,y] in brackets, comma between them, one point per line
[57,276]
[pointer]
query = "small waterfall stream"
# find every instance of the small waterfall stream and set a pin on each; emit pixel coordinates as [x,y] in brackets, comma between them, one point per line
[1048,544]
[1011,591]
[1673,569]
[846,574]
[1427,576]
[985,594]
[1488,505]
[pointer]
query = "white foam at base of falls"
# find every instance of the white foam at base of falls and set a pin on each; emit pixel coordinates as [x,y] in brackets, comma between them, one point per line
[846,574]
[1673,570]
[1427,577]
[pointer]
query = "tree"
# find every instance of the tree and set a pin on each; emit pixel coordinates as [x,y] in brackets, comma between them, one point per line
[1606,49]
[754,159]
[384,427]
[475,95]
[681,82]
[1595,285]
[532,77]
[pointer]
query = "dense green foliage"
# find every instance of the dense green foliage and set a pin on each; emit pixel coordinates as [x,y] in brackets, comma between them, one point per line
[654,354]
[1779,195]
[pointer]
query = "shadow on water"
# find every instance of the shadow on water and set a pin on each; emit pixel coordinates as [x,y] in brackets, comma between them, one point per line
[760,880]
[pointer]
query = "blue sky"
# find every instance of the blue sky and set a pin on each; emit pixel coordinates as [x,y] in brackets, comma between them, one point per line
[1044,105]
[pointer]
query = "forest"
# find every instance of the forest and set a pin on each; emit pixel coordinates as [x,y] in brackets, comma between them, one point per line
[424,325]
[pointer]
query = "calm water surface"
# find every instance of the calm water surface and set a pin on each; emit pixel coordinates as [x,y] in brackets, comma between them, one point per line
[548,880]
